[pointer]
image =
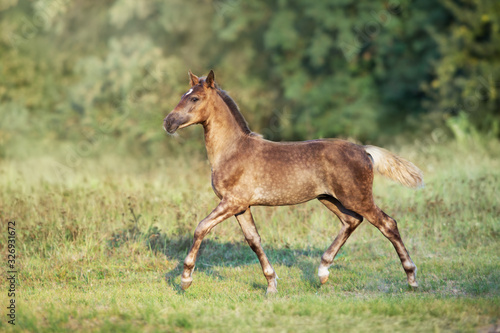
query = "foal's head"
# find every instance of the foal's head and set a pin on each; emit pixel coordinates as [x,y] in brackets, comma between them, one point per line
[192,108]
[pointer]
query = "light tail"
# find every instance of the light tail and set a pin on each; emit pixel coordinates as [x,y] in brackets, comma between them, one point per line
[394,167]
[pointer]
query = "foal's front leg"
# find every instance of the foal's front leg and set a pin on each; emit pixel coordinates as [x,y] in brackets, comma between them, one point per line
[252,236]
[224,210]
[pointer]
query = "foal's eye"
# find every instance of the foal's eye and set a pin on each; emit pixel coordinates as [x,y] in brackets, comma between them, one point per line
[194,99]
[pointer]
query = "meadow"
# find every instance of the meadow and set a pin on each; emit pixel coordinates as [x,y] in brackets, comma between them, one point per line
[105,204]
[100,248]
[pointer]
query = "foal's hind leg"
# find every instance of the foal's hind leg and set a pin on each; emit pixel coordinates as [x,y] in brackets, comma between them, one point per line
[350,221]
[252,236]
[388,226]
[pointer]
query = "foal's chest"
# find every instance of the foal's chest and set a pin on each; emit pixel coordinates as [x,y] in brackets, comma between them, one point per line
[226,180]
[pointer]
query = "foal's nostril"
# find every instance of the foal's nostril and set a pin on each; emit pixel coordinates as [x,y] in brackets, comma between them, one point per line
[170,124]
[166,123]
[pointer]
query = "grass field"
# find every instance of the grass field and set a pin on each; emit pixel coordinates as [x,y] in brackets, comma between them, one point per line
[100,246]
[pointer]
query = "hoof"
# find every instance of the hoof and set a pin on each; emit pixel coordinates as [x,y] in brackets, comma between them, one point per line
[412,278]
[413,284]
[323,274]
[185,283]
[272,288]
[271,291]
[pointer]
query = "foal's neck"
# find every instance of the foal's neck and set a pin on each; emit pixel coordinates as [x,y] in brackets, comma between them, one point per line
[222,133]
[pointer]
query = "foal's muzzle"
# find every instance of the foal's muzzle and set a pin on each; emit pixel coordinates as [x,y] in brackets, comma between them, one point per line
[172,122]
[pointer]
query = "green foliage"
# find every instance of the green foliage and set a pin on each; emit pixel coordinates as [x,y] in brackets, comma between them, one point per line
[466,75]
[299,69]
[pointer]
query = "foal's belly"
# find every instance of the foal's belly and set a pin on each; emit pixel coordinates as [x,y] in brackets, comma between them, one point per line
[285,191]
[278,198]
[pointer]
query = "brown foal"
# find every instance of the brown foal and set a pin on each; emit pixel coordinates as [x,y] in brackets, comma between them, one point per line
[250,171]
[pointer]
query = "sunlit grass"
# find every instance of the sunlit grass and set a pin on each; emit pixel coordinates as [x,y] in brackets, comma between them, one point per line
[100,248]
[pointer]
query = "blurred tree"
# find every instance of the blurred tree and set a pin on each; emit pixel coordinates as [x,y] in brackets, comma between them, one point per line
[467,73]
[299,69]
[343,68]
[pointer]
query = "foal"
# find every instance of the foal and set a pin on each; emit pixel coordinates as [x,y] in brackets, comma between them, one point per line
[250,171]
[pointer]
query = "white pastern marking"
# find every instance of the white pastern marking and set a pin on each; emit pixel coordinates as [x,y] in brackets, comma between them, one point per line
[190,91]
[323,271]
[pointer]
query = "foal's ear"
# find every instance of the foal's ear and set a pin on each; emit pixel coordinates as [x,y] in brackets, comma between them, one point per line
[210,80]
[193,79]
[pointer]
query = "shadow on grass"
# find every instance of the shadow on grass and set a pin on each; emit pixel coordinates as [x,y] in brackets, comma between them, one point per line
[214,254]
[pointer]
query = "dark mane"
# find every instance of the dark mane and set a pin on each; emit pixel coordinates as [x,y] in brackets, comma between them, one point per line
[235,111]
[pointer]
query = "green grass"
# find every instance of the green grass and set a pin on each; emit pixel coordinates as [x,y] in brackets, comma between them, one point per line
[100,248]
